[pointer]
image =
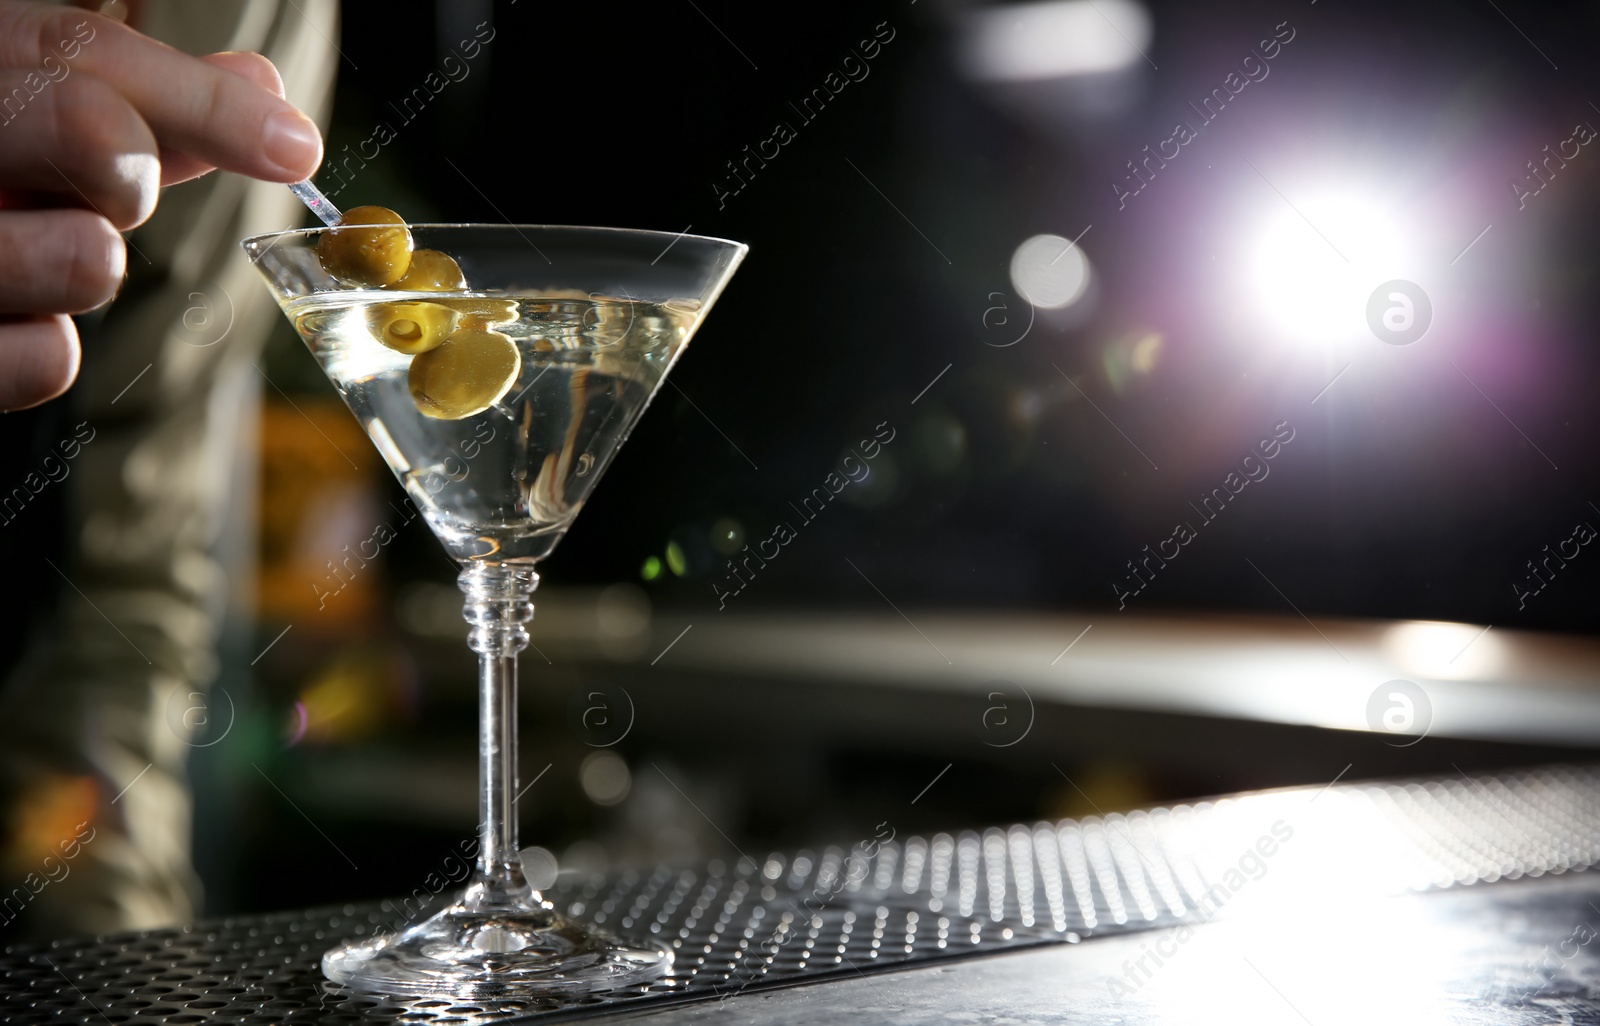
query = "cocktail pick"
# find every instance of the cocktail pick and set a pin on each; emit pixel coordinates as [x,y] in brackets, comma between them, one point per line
[320,205]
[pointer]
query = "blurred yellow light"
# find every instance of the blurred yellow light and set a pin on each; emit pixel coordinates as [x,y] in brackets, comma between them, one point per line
[48,811]
[1130,357]
[1145,352]
[350,698]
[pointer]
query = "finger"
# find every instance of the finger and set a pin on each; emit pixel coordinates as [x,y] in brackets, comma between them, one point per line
[38,359]
[79,139]
[180,167]
[252,66]
[216,115]
[58,261]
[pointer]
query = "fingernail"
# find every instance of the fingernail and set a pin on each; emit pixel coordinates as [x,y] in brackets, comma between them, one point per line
[292,142]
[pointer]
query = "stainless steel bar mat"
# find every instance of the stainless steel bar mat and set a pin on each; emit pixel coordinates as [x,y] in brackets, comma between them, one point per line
[883,903]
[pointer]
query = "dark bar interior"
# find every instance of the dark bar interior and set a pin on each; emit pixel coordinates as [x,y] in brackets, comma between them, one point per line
[1116,551]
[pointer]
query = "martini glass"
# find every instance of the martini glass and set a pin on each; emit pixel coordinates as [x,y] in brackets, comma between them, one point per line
[596,317]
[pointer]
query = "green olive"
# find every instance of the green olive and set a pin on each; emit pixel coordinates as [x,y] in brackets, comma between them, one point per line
[486,313]
[411,328]
[470,372]
[432,271]
[370,246]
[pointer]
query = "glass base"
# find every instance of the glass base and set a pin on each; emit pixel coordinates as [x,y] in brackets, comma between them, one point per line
[501,953]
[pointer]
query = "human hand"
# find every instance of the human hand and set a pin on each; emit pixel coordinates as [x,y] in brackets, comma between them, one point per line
[94,119]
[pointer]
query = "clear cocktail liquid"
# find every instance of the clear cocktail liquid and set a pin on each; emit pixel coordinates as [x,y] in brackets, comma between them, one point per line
[506,483]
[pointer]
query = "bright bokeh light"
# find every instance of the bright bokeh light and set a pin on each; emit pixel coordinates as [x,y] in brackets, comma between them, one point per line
[539,867]
[1444,651]
[1053,39]
[1050,272]
[1312,266]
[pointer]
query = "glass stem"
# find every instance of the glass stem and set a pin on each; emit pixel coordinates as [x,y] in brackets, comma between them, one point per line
[498,606]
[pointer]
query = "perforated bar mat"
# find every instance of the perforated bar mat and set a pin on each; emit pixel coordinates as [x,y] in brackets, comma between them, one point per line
[792,919]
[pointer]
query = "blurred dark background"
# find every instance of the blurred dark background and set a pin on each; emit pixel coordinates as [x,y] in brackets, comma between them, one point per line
[1404,494]
[1029,464]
